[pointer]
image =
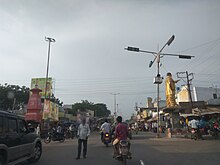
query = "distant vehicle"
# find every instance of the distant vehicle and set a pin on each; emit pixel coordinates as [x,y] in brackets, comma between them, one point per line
[17,142]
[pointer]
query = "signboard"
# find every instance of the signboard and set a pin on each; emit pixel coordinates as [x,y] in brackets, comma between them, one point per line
[51,110]
[41,84]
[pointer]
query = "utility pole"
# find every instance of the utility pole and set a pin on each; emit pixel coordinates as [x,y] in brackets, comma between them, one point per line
[136,107]
[189,78]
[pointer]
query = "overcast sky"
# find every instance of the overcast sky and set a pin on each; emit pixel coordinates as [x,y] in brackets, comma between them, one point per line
[88,60]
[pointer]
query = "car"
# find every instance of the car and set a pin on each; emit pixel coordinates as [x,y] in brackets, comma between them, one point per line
[17,142]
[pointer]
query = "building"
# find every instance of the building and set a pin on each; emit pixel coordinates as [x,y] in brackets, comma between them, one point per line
[205,94]
[198,94]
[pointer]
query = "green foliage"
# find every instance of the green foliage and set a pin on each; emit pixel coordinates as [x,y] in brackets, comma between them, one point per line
[99,109]
[13,96]
[55,100]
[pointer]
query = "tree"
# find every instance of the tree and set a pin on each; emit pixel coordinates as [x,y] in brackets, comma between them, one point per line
[99,109]
[55,100]
[13,96]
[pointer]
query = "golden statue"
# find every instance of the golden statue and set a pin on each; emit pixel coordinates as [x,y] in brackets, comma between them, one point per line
[170,91]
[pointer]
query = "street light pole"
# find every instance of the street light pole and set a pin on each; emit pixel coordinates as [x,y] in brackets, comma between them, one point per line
[158,94]
[115,104]
[158,79]
[49,40]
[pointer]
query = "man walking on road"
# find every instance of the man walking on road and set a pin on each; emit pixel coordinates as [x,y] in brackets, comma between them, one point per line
[83,134]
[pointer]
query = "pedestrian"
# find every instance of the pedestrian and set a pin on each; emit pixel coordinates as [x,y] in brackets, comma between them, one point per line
[83,134]
[38,130]
[72,131]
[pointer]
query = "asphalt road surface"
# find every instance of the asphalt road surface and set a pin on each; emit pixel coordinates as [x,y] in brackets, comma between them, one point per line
[145,147]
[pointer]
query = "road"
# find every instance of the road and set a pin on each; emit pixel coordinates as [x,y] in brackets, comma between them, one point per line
[145,147]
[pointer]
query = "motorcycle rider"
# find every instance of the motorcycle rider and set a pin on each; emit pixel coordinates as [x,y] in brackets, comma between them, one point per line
[136,127]
[105,128]
[194,124]
[202,123]
[212,123]
[121,133]
[59,131]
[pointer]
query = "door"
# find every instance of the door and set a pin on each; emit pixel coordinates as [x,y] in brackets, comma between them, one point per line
[26,141]
[12,138]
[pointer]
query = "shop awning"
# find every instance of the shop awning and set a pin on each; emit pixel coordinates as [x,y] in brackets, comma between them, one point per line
[207,111]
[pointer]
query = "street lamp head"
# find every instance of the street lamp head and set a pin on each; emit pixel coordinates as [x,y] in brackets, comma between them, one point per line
[134,49]
[50,39]
[185,57]
[150,64]
[170,40]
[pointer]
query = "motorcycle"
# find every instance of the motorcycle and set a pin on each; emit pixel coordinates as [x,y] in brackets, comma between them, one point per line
[129,133]
[196,134]
[106,139]
[53,135]
[123,151]
[214,131]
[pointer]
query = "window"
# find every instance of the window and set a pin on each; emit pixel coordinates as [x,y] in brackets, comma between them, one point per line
[214,96]
[22,126]
[5,123]
[1,124]
[12,125]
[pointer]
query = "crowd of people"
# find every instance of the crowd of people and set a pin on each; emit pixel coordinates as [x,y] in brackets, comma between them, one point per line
[205,122]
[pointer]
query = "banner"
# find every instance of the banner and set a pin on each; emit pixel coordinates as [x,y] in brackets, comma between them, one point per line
[54,111]
[46,111]
[51,110]
[41,84]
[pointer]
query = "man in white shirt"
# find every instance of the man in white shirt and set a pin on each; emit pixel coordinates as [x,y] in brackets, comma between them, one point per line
[194,123]
[83,134]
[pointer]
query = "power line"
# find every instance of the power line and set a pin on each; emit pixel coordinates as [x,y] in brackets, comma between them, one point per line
[201,45]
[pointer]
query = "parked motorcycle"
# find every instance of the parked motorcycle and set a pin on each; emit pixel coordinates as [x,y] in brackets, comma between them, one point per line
[123,151]
[53,135]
